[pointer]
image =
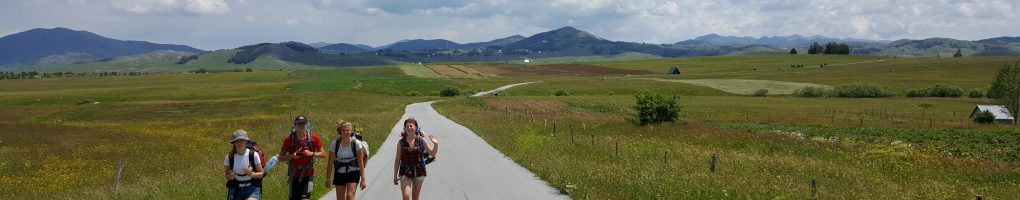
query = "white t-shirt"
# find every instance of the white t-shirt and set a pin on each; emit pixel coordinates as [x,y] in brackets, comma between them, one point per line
[241,162]
[345,154]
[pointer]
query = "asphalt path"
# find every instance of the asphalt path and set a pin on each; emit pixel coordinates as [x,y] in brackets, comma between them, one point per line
[466,167]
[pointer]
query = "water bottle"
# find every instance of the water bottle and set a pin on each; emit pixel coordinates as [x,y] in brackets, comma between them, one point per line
[269,165]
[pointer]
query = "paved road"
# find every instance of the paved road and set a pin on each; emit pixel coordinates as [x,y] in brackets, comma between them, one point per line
[500,89]
[466,167]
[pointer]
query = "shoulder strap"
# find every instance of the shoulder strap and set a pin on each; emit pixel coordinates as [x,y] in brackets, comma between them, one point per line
[251,160]
[354,149]
[336,146]
[231,158]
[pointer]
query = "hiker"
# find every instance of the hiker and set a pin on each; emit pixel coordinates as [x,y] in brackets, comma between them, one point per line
[300,148]
[412,156]
[347,160]
[243,169]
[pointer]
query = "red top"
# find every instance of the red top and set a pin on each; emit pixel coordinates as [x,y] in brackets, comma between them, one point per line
[301,147]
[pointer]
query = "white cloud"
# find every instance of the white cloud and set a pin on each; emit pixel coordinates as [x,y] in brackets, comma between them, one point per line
[145,6]
[208,6]
[171,6]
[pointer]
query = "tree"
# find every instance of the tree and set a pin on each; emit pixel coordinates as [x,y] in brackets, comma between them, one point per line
[793,50]
[1006,87]
[984,117]
[958,53]
[815,48]
[656,108]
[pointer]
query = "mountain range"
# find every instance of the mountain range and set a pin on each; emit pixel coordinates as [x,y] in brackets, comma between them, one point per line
[61,46]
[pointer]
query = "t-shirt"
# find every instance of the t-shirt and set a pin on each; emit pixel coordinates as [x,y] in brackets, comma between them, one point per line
[301,147]
[241,162]
[344,154]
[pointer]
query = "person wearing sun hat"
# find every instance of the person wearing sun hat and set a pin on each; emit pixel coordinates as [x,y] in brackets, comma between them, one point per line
[243,169]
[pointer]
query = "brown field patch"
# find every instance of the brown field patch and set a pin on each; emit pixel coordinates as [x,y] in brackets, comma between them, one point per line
[556,69]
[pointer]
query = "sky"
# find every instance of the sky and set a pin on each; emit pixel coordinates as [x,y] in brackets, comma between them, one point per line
[222,24]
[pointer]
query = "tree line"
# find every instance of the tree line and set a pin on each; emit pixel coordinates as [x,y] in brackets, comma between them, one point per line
[829,48]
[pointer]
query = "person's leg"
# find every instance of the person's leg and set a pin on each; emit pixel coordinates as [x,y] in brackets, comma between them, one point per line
[295,190]
[340,191]
[230,192]
[405,187]
[307,189]
[417,187]
[351,187]
[256,193]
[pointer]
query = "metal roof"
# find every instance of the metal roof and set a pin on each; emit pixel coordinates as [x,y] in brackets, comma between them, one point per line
[999,111]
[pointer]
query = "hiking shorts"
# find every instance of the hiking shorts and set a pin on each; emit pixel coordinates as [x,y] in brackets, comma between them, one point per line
[300,189]
[244,193]
[419,178]
[345,178]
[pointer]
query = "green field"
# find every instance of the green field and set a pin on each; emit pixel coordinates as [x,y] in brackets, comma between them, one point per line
[61,138]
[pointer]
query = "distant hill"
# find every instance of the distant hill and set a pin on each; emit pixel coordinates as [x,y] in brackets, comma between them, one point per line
[302,53]
[342,48]
[496,42]
[562,39]
[932,47]
[64,46]
[319,44]
[420,44]
[793,41]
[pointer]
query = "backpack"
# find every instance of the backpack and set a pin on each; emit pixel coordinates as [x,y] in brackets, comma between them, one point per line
[300,170]
[425,157]
[255,150]
[361,142]
[354,148]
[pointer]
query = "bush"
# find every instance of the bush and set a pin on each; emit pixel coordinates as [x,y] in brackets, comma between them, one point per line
[861,91]
[761,93]
[656,108]
[449,91]
[937,90]
[810,92]
[976,93]
[412,94]
[984,117]
[561,93]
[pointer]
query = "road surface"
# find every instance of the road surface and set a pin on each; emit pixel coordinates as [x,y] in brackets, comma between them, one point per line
[466,167]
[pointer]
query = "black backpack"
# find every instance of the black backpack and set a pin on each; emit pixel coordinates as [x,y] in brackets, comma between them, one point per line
[253,148]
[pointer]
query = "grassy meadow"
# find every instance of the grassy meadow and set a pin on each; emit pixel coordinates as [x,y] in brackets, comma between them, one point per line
[61,138]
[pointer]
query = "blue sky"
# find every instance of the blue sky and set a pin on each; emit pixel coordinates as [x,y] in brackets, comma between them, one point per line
[218,24]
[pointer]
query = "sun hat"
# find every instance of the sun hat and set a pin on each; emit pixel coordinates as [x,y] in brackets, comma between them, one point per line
[239,135]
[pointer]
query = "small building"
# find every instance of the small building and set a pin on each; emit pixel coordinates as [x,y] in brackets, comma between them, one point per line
[1001,113]
[673,70]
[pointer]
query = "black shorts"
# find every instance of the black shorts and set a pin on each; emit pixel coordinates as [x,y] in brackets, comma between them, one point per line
[345,178]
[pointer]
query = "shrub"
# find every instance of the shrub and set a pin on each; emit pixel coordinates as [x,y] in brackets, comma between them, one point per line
[810,92]
[449,91]
[656,108]
[761,93]
[561,93]
[861,91]
[976,93]
[412,94]
[937,90]
[984,117]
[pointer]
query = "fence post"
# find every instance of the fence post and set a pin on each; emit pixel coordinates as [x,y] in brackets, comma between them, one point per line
[554,130]
[665,156]
[120,169]
[814,188]
[711,168]
[979,197]
[617,149]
